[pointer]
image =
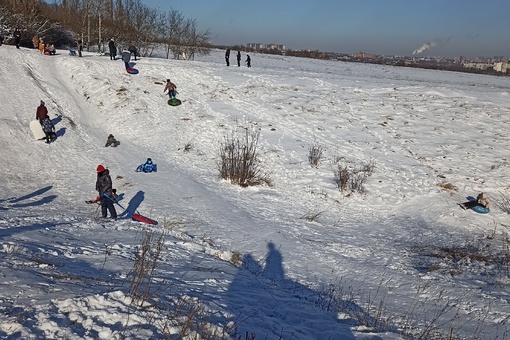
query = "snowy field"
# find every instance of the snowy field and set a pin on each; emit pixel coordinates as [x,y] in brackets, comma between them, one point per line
[317,262]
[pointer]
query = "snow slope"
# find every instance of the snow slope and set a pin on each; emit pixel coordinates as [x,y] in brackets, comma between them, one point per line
[433,137]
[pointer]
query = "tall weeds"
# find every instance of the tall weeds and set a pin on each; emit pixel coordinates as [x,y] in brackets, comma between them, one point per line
[239,161]
[146,260]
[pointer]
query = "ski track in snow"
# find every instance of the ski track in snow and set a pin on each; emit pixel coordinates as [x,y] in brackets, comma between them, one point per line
[67,270]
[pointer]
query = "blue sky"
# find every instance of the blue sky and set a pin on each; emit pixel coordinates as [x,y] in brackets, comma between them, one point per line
[398,27]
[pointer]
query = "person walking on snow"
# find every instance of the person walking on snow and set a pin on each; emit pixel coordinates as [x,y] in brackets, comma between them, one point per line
[41,113]
[238,58]
[126,57]
[105,190]
[248,60]
[48,128]
[171,88]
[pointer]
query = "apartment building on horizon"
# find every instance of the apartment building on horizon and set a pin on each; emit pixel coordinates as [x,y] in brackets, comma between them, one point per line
[260,46]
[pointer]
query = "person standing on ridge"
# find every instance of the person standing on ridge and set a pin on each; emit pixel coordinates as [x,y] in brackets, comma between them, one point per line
[17,37]
[41,45]
[35,41]
[113,49]
[80,47]
[227,56]
[105,190]
[132,49]
[238,58]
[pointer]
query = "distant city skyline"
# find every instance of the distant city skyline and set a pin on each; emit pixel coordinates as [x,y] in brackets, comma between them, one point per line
[448,28]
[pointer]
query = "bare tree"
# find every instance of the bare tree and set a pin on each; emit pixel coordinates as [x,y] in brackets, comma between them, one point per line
[174,32]
[196,42]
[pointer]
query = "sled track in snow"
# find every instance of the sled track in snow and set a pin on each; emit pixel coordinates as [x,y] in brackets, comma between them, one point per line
[59,108]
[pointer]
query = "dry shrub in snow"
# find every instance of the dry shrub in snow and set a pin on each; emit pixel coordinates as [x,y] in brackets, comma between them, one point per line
[315,154]
[146,260]
[448,186]
[189,318]
[239,161]
[353,179]
[503,203]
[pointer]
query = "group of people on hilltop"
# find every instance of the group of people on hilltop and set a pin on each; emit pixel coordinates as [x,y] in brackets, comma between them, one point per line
[227,58]
[37,42]
[126,54]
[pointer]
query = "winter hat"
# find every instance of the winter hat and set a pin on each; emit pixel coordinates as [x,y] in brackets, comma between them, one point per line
[100,168]
[42,103]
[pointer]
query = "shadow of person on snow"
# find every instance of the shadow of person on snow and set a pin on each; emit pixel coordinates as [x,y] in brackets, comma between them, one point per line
[260,292]
[60,132]
[14,202]
[56,120]
[133,204]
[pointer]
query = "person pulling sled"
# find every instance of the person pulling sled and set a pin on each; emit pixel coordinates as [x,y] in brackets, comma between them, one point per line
[105,190]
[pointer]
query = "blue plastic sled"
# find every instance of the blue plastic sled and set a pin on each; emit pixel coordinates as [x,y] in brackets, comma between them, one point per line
[481,209]
[142,168]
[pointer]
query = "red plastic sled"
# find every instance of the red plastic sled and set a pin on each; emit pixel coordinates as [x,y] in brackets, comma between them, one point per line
[140,218]
[132,70]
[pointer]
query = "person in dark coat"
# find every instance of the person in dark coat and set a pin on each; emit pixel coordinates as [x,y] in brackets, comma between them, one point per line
[17,37]
[113,49]
[41,113]
[132,49]
[239,58]
[104,187]
[227,56]
[248,60]
[1,40]
[48,128]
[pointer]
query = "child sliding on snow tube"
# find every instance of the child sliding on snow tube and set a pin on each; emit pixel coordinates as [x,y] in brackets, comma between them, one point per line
[170,87]
[481,200]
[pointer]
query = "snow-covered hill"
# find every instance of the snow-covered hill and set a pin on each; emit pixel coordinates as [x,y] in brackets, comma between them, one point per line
[433,138]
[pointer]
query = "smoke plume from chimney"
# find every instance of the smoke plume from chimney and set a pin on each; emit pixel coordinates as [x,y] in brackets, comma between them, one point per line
[425,47]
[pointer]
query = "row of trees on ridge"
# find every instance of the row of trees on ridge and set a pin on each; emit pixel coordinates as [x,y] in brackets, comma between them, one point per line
[95,22]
